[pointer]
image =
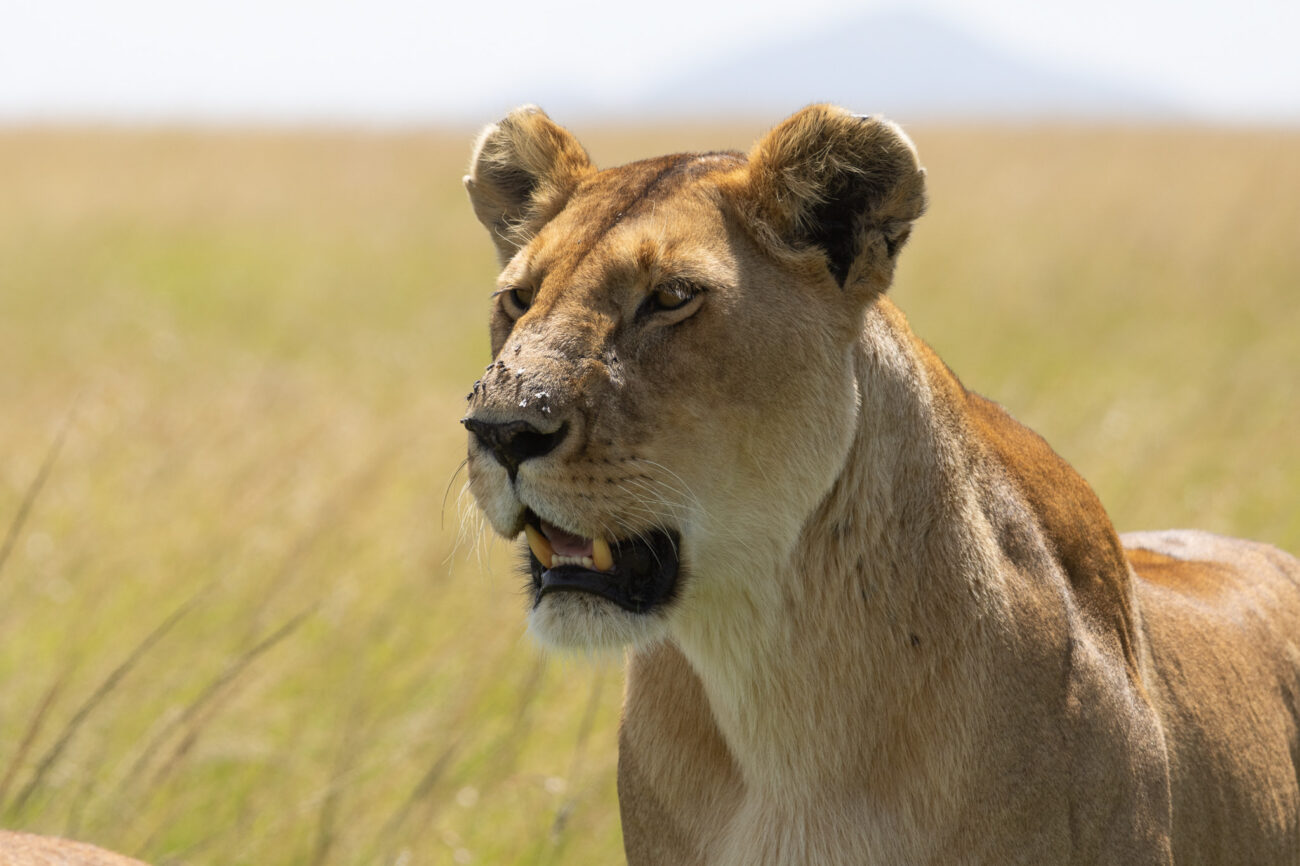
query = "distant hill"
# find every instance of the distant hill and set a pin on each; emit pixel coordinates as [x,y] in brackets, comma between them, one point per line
[909,65]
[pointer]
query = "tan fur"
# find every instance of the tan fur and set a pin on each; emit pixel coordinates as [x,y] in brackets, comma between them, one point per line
[26,849]
[905,630]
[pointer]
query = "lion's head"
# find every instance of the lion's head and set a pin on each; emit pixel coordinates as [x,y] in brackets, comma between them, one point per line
[672,391]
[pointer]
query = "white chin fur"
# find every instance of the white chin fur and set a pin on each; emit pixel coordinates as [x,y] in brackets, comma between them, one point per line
[578,621]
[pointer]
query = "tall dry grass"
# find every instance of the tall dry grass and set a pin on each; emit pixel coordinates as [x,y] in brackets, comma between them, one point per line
[243,616]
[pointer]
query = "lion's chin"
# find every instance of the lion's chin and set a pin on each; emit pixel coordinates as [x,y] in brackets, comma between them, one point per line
[581,621]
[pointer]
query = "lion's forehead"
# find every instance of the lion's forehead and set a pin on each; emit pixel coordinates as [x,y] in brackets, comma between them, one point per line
[657,218]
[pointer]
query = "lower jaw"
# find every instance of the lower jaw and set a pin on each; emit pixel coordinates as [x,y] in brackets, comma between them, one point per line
[591,623]
[645,576]
[570,580]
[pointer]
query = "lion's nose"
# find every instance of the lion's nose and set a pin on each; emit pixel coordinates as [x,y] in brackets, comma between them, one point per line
[513,442]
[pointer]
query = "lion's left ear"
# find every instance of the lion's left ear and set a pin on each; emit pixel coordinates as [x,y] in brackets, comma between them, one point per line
[846,184]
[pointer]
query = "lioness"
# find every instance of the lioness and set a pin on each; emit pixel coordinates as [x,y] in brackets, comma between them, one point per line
[870,618]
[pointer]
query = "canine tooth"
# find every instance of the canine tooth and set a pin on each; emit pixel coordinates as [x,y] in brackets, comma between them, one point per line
[602,557]
[540,546]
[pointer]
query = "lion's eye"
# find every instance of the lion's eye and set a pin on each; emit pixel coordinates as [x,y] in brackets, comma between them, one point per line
[668,299]
[518,300]
[678,297]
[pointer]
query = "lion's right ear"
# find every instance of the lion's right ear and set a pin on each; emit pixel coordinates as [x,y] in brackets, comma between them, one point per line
[847,185]
[523,170]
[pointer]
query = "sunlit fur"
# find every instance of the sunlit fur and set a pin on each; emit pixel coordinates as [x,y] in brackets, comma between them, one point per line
[906,631]
[26,849]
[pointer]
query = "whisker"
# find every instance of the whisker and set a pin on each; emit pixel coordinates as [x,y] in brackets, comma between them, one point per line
[443,511]
[682,481]
[470,525]
[677,510]
[642,535]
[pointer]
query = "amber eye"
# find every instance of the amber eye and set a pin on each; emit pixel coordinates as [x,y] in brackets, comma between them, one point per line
[518,299]
[670,298]
[677,297]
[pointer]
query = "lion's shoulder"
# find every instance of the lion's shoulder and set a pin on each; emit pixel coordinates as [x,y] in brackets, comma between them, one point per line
[1068,513]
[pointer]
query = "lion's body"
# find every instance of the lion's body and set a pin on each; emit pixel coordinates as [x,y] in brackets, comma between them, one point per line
[28,849]
[1222,619]
[904,630]
[1029,722]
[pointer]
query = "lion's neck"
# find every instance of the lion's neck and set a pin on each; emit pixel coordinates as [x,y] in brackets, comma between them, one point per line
[862,666]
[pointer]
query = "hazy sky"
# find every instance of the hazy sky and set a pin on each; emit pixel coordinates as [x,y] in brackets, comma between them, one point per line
[406,61]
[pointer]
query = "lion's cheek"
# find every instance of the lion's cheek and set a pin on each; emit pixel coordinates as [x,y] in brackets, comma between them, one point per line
[760,456]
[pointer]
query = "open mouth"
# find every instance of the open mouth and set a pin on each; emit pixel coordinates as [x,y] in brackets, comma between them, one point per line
[637,574]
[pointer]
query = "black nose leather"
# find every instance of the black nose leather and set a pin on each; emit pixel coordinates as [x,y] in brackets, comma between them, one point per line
[513,442]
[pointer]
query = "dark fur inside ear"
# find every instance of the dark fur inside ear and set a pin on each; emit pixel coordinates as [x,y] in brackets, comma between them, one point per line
[523,170]
[846,184]
[835,225]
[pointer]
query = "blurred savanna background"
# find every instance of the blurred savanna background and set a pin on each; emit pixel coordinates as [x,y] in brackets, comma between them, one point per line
[247,615]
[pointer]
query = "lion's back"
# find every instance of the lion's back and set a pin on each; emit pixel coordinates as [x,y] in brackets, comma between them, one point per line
[1222,617]
[27,849]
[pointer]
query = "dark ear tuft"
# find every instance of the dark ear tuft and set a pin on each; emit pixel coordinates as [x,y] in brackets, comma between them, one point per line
[523,170]
[832,224]
[848,185]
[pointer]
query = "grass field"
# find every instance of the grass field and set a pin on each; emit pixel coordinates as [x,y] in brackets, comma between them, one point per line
[242,617]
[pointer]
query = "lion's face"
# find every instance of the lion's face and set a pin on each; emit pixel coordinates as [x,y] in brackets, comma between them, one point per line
[671,393]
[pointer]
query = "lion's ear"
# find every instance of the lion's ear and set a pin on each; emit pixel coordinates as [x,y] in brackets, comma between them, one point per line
[846,184]
[523,170]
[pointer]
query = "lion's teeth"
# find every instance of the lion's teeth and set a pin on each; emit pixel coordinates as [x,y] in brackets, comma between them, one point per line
[601,556]
[601,559]
[540,546]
